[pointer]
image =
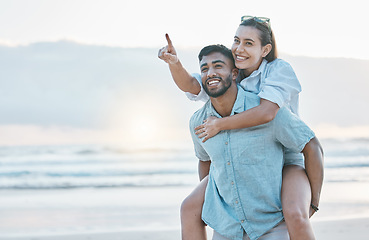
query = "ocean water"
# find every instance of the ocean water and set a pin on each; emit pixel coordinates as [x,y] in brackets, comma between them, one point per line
[93,166]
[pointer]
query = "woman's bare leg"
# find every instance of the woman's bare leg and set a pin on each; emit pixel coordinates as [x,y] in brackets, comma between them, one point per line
[193,228]
[296,199]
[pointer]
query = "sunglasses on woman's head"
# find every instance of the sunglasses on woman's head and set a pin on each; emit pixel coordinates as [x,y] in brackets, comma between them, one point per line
[261,20]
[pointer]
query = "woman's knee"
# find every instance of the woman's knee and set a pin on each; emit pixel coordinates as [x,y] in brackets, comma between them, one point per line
[296,194]
[193,202]
[295,214]
[190,204]
[295,210]
[186,205]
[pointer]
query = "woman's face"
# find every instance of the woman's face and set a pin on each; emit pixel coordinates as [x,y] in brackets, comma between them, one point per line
[247,50]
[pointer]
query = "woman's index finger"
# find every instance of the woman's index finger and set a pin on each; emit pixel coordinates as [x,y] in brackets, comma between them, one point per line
[168,40]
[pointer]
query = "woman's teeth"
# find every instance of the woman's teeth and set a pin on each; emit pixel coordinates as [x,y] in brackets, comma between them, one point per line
[240,58]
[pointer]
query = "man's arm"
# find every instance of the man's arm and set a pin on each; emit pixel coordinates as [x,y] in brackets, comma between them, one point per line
[203,168]
[314,158]
[181,77]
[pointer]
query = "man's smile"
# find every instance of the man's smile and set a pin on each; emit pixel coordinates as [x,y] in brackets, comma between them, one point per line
[213,81]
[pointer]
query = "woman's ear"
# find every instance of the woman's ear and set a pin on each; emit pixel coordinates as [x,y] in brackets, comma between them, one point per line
[266,50]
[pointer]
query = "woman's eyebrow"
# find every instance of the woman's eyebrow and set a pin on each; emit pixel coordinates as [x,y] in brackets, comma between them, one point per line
[245,39]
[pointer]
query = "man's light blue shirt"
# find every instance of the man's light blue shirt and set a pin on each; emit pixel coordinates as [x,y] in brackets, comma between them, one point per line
[243,192]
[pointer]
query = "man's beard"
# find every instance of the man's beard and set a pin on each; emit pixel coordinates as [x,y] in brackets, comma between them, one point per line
[219,92]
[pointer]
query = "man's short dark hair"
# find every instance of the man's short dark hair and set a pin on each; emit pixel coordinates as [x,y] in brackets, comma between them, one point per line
[216,48]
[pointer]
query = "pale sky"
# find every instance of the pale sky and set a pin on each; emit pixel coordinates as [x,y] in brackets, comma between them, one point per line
[314,28]
[317,28]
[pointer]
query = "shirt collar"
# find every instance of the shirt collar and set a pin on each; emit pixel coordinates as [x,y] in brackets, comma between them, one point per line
[259,70]
[239,105]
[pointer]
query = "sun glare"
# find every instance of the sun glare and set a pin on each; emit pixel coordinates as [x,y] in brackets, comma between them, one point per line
[143,128]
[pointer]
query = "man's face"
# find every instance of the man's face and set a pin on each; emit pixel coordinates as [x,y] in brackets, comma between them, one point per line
[216,74]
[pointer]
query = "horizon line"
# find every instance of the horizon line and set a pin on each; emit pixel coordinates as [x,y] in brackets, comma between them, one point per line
[10,44]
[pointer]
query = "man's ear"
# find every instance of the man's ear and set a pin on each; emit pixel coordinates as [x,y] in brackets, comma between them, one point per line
[266,50]
[234,73]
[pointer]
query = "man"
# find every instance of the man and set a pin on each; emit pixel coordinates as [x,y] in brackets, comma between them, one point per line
[242,199]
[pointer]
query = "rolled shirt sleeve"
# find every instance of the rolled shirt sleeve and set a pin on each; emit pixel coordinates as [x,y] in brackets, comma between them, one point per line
[293,158]
[200,152]
[202,96]
[280,84]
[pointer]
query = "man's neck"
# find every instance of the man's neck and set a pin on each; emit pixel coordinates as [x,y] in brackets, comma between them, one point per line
[224,104]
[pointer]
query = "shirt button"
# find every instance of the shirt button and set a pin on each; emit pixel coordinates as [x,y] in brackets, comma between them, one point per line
[226,143]
[242,221]
[236,202]
[232,182]
[228,163]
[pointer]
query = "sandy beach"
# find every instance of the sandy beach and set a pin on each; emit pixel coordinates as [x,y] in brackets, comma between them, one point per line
[151,213]
[341,229]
